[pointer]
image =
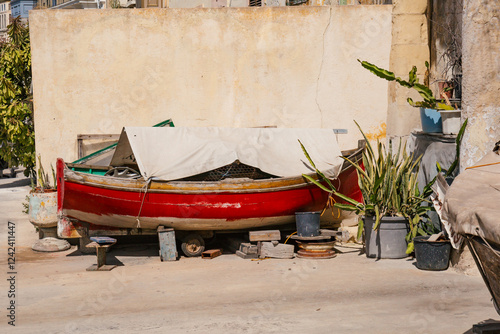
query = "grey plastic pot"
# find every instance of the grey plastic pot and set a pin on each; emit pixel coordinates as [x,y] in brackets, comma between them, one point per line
[433,255]
[388,241]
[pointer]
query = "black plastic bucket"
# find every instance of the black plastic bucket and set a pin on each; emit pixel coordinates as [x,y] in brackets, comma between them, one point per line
[307,223]
[432,255]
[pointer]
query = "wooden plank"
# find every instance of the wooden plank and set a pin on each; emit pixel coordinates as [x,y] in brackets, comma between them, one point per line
[80,138]
[269,235]
[279,251]
[80,148]
[330,233]
[98,136]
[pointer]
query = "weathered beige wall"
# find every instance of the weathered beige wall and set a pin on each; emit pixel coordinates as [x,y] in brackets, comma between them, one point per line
[95,71]
[410,47]
[481,79]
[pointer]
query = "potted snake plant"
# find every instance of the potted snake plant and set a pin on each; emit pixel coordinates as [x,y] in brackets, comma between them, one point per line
[391,208]
[429,107]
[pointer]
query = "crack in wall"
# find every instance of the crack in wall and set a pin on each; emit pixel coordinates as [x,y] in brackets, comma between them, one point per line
[321,66]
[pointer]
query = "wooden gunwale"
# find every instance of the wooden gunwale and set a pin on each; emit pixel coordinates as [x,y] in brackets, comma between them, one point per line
[184,187]
[191,187]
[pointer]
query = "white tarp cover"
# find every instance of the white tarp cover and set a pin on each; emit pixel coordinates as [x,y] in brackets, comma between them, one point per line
[175,153]
[472,203]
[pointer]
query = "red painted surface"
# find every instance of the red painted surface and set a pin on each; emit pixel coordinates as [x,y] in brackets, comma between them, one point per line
[60,184]
[228,206]
[347,184]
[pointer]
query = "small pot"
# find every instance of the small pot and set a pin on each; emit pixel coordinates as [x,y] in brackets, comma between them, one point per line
[431,120]
[442,85]
[432,255]
[451,121]
[43,208]
[308,223]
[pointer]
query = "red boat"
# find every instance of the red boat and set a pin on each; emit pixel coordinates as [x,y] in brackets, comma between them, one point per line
[235,196]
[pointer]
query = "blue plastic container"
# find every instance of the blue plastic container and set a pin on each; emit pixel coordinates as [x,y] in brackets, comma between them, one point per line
[431,120]
[307,223]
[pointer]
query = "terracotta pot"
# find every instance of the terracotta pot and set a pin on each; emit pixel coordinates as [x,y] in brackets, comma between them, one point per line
[442,85]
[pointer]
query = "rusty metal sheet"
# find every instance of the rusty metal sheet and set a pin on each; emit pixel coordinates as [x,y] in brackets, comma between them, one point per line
[210,254]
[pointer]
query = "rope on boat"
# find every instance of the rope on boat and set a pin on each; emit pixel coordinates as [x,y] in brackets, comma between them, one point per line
[290,236]
[146,186]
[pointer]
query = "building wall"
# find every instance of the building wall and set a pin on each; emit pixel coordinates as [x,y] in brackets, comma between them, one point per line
[96,71]
[22,7]
[4,18]
[410,47]
[481,79]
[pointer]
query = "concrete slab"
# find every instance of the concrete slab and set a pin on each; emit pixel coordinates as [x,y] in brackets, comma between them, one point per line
[347,294]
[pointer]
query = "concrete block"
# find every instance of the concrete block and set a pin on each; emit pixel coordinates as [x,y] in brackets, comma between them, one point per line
[404,56]
[409,6]
[189,3]
[402,119]
[409,29]
[247,256]
[219,3]
[274,3]
[248,248]
[278,251]
[237,3]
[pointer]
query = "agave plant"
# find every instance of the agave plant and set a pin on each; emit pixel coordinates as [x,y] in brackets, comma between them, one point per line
[388,182]
[424,91]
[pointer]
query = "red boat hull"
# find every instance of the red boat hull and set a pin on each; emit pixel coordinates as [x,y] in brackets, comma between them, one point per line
[188,206]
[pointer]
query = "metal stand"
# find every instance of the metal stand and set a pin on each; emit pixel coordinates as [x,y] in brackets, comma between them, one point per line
[168,247]
[101,257]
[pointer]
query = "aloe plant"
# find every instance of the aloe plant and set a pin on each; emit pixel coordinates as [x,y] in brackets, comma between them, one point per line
[389,186]
[388,182]
[43,178]
[424,91]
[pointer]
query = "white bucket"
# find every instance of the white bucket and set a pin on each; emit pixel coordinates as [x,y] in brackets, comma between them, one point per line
[451,121]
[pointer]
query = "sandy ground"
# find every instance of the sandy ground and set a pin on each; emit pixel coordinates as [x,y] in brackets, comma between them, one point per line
[347,294]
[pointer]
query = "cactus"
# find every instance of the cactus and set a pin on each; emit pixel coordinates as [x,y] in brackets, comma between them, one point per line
[424,91]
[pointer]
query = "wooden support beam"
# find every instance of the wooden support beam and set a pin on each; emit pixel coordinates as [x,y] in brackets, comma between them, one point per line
[269,235]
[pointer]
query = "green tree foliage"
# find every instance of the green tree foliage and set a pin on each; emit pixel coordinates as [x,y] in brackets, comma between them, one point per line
[17,135]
